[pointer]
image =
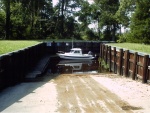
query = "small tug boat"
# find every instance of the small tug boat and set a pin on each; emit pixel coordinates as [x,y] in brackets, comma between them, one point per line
[75,53]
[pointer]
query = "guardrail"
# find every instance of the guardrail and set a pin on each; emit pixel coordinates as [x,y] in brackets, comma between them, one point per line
[15,65]
[127,63]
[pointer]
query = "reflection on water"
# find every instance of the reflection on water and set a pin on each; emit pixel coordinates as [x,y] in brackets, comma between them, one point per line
[73,66]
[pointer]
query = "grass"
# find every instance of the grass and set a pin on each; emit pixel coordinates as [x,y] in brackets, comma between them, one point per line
[133,46]
[7,46]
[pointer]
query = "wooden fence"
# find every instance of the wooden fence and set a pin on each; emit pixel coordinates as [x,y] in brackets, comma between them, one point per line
[15,65]
[127,63]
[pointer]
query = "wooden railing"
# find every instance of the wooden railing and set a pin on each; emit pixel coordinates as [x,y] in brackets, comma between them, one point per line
[127,63]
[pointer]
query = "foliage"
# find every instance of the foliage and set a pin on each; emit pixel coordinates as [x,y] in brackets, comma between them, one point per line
[137,19]
[107,19]
[103,66]
[126,8]
[66,25]
[123,38]
[140,22]
[39,19]
[26,18]
[2,24]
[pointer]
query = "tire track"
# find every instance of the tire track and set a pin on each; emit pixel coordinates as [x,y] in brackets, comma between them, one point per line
[82,94]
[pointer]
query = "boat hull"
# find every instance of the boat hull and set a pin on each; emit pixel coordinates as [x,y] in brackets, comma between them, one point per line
[78,57]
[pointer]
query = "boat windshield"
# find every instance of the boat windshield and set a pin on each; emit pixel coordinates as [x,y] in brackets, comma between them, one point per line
[72,51]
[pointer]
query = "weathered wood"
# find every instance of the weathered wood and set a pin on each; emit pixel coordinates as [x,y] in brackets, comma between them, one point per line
[109,49]
[120,61]
[114,65]
[148,78]
[126,62]
[102,51]
[145,68]
[106,52]
[15,65]
[100,54]
[134,66]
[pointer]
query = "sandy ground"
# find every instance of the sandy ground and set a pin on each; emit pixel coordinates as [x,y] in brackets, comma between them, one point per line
[75,93]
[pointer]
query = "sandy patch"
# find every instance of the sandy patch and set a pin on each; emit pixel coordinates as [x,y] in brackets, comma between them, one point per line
[134,92]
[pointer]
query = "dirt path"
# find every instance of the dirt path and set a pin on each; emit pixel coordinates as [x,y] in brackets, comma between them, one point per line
[69,93]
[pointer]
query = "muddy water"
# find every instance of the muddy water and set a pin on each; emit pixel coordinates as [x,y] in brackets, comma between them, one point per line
[58,66]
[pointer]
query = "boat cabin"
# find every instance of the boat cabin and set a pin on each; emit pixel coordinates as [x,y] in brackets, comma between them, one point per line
[76,51]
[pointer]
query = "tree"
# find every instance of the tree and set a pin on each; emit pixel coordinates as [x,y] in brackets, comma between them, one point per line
[86,16]
[126,8]
[108,22]
[140,22]
[65,17]
[2,21]
[7,5]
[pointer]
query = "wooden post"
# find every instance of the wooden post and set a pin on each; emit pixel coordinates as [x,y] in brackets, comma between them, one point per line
[109,58]
[134,66]
[103,51]
[114,65]
[145,68]
[53,47]
[126,62]
[120,61]
[106,51]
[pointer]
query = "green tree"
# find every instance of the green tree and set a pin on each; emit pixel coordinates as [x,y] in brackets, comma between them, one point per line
[7,10]
[108,22]
[140,22]
[65,17]
[27,18]
[2,21]
[86,16]
[123,15]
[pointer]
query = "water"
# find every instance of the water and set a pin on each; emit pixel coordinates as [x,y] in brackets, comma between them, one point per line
[58,66]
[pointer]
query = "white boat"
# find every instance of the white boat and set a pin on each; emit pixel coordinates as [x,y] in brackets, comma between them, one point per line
[75,53]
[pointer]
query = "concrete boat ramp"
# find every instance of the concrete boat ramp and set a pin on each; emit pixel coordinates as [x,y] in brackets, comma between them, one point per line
[66,93]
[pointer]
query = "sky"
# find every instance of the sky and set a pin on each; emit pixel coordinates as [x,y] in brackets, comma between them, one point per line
[55,2]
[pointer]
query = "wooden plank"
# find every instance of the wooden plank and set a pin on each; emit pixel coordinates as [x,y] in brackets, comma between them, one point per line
[106,52]
[145,68]
[103,50]
[114,60]
[134,66]
[109,58]
[101,46]
[126,62]
[120,61]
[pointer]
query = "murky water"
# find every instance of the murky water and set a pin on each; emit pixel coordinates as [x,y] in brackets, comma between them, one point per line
[73,66]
